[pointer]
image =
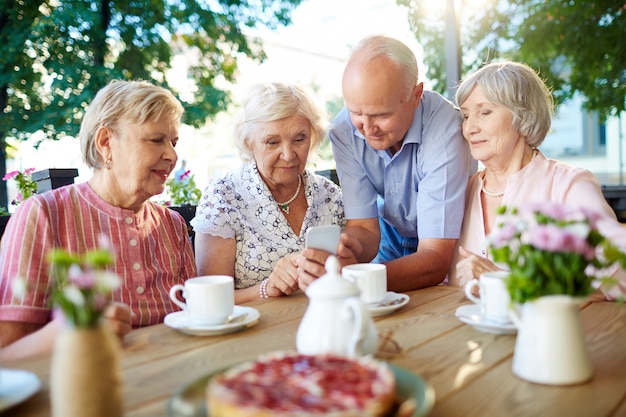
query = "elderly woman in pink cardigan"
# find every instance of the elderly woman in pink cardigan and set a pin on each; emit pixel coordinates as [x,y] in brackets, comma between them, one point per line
[507,111]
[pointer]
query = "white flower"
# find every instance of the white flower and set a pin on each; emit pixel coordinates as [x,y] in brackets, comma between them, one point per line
[73,294]
[580,229]
[104,242]
[106,281]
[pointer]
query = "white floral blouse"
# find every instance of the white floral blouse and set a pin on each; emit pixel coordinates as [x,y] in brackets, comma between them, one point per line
[239,205]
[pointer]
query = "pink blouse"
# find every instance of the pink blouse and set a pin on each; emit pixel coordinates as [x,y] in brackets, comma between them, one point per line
[152,251]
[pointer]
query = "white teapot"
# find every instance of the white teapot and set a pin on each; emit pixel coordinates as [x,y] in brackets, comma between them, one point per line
[336,320]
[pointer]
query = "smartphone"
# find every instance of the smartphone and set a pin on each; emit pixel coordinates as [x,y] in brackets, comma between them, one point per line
[323,237]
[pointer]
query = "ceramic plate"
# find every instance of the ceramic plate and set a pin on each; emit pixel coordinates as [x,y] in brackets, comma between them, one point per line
[391,303]
[472,315]
[16,386]
[180,321]
[189,401]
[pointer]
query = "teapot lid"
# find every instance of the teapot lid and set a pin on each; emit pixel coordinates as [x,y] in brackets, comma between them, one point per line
[332,284]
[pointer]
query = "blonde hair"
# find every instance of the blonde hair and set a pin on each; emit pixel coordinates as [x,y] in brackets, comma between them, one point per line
[269,102]
[137,101]
[517,87]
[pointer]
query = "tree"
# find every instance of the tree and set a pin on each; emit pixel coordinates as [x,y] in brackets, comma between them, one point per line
[575,44]
[56,54]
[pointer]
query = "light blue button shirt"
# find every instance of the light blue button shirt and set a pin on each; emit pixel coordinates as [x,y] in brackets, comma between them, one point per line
[422,185]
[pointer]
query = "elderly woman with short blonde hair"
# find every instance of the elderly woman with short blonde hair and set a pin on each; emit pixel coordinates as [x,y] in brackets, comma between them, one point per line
[128,136]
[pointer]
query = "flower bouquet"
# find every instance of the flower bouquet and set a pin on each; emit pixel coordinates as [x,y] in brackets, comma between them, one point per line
[551,249]
[82,285]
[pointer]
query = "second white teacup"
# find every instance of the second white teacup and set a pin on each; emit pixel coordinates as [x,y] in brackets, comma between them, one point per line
[494,297]
[209,299]
[370,278]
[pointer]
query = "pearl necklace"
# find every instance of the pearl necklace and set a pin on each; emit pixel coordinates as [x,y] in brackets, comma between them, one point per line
[501,193]
[285,206]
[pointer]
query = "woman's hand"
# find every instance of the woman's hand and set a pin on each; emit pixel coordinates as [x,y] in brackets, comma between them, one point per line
[118,317]
[284,278]
[311,262]
[471,266]
[310,266]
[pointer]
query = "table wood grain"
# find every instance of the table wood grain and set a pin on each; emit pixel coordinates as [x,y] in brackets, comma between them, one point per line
[469,370]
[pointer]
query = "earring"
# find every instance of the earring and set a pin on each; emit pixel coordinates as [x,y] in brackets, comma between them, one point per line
[107,163]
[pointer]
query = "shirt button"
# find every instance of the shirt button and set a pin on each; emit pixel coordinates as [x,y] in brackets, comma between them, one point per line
[129,220]
[136,266]
[140,290]
[133,242]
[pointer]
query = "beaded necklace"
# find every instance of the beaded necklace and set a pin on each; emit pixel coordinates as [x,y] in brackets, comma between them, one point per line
[285,206]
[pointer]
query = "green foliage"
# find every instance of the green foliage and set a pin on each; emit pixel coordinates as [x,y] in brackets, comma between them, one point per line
[576,45]
[60,53]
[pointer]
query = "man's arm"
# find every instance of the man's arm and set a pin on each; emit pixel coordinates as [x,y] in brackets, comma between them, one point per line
[424,268]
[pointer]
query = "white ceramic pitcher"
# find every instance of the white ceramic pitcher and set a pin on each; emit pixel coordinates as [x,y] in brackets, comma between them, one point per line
[550,347]
[336,320]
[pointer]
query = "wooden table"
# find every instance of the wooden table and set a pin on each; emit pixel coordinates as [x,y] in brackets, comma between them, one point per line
[469,370]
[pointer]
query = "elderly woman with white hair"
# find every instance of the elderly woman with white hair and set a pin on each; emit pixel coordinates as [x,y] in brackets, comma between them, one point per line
[251,223]
[507,111]
[127,136]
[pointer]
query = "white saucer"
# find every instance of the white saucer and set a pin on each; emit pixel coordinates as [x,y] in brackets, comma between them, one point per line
[472,315]
[180,321]
[380,309]
[16,386]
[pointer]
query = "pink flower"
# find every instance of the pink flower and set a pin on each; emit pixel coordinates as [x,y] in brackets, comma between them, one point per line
[10,175]
[502,235]
[84,280]
[184,174]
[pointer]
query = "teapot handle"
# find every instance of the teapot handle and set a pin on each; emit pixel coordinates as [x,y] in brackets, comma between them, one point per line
[515,314]
[359,329]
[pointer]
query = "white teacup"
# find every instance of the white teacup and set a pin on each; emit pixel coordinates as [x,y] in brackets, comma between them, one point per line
[370,278]
[209,300]
[494,297]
